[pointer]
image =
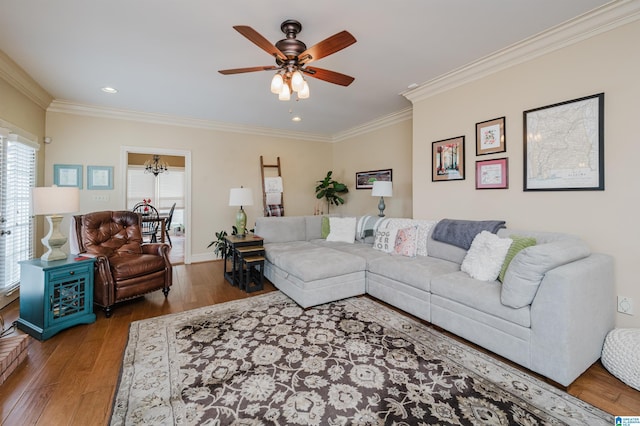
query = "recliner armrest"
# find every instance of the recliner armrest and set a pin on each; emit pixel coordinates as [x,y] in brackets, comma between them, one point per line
[159,249]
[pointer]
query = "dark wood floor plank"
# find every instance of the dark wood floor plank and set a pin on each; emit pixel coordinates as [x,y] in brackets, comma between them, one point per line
[71,378]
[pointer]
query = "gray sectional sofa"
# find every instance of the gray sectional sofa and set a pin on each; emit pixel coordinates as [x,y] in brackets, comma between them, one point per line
[557,331]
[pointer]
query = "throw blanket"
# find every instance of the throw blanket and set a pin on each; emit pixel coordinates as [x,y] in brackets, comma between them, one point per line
[462,232]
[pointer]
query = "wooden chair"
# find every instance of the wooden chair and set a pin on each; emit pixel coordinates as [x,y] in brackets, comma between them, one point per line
[150,221]
[168,223]
[125,268]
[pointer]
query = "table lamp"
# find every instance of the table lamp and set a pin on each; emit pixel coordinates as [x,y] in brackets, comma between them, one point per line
[382,188]
[241,197]
[53,202]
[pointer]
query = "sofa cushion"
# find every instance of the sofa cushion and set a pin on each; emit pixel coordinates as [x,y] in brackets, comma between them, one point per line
[342,229]
[519,243]
[483,296]
[313,227]
[273,251]
[485,256]
[527,269]
[281,229]
[444,251]
[316,263]
[324,230]
[424,229]
[385,240]
[416,272]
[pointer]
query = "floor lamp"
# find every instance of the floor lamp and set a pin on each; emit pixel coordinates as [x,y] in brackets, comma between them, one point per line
[53,202]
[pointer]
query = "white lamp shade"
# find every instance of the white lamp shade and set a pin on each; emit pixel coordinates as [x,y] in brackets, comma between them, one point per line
[285,93]
[55,200]
[241,197]
[304,92]
[297,81]
[382,188]
[276,84]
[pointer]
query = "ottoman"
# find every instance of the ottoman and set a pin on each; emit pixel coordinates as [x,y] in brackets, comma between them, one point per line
[621,355]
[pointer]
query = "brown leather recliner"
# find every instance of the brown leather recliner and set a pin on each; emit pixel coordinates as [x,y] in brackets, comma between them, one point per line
[125,268]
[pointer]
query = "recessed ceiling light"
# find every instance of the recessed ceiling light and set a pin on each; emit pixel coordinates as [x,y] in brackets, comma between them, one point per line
[108,89]
[296,118]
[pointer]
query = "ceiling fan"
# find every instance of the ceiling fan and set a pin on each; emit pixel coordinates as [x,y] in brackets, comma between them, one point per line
[292,58]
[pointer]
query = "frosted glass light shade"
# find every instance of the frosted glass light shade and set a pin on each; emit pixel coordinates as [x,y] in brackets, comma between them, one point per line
[297,81]
[382,189]
[285,93]
[304,93]
[276,84]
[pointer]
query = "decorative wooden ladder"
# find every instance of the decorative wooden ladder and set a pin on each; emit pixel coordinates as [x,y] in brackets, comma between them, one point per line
[278,168]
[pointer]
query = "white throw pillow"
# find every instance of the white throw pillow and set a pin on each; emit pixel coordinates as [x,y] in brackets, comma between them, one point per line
[486,256]
[385,240]
[342,229]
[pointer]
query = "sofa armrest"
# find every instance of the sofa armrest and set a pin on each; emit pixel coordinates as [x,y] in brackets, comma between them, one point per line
[159,249]
[571,315]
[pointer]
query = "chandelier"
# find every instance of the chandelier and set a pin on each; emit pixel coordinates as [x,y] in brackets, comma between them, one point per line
[155,166]
[289,80]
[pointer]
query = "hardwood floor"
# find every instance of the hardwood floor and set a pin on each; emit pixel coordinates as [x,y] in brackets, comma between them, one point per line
[70,379]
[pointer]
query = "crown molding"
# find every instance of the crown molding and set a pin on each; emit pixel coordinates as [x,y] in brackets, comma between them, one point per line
[68,107]
[18,78]
[387,120]
[590,24]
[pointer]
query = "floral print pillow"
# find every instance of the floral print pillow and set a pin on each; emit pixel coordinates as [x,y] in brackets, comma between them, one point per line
[406,241]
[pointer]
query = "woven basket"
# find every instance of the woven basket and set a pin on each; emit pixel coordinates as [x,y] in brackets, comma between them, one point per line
[621,355]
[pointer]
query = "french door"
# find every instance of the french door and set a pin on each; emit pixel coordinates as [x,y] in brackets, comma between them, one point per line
[17,177]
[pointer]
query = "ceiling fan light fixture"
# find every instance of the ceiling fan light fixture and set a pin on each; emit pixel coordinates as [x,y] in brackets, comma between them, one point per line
[276,84]
[285,93]
[297,81]
[304,92]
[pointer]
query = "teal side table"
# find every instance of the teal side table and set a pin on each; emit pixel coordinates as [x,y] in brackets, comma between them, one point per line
[55,295]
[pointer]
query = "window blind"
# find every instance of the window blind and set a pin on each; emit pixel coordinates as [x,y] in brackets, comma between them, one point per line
[17,169]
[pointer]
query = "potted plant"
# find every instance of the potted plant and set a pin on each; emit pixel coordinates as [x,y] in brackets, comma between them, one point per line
[330,189]
[220,248]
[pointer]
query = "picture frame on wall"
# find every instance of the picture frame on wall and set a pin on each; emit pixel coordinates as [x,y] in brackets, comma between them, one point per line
[67,175]
[491,137]
[99,177]
[364,180]
[447,159]
[492,174]
[564,146]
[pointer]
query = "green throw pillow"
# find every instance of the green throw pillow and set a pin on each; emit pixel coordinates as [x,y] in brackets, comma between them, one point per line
[325,227]
[518,244]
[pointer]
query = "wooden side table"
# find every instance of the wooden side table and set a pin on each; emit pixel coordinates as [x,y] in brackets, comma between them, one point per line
[241,247]
[55,295]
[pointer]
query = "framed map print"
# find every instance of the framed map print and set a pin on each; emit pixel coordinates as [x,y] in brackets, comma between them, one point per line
[564,146]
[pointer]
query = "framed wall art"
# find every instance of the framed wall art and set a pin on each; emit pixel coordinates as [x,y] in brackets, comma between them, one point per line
[99,177]
[492,174]
[364,180]
[447,159]
[67,175]
[490,136]
[564,146]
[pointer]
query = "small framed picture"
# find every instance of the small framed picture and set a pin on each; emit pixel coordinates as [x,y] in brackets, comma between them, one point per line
[67,175]
[490,136]
[99,177]
[492,174]
[447,159]
[364,180]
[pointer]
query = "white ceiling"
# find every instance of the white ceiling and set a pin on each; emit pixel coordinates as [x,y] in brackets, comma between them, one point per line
[164,55]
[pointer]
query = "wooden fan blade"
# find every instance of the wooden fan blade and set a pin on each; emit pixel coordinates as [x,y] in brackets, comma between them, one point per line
[260,41]
[329,76]
[327,47]
[250,69]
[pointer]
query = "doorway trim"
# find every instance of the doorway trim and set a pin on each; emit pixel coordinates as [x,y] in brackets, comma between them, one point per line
[124,161]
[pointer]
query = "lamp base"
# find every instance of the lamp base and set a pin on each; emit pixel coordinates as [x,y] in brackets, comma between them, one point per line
[381,207]
[241,222]
[54,240]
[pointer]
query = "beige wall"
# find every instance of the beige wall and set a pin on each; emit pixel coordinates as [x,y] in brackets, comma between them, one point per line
[220,161]
[607,220]
[386,148]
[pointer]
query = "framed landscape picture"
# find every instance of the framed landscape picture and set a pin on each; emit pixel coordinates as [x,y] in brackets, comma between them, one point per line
[564,146]
[364,180]
[490,136]
[447,159]
[492,174]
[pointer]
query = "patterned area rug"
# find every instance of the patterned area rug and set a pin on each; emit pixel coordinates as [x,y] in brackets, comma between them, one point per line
[265,361]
